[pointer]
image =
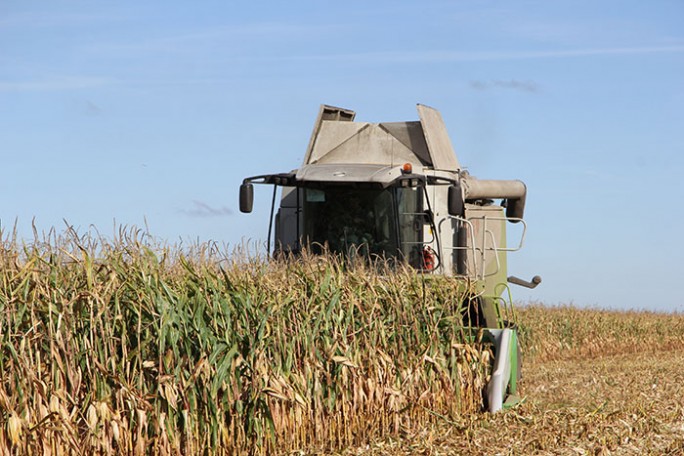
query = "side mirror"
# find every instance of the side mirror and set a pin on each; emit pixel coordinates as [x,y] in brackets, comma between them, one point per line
[246,197]
[455,201]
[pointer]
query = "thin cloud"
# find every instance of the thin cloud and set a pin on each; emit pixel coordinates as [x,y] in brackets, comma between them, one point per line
[57,84]
[521,86]
[91,109]
[39,19]
[449,56]
[226,35]
[203,210]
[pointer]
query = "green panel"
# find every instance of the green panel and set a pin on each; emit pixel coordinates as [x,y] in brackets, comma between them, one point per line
[513,357]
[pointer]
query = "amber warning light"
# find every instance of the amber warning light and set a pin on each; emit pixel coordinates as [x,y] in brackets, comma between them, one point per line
[407,168]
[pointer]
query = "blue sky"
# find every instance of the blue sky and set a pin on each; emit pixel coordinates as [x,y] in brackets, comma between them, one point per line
[151,113]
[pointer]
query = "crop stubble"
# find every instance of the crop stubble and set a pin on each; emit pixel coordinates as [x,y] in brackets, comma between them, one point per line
[596,382]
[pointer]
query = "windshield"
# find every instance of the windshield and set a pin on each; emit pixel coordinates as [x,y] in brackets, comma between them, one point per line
[376,222]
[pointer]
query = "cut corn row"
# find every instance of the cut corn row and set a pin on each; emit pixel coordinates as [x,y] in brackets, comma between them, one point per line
[563,332]
[131,347]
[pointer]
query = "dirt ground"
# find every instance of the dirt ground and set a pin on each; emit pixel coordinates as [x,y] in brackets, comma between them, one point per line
[624,404]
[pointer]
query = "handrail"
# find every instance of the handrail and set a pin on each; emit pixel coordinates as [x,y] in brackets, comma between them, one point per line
[512,220]
[481,249]
[471,232]
[505,309]
[498,263]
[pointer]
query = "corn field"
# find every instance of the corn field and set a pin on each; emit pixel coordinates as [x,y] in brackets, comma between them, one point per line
[567,332]
[127,346]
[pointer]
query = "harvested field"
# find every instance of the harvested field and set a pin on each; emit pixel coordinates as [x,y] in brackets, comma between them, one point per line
[599,393]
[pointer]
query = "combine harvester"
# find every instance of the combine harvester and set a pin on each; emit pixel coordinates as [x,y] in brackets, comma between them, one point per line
[396,190]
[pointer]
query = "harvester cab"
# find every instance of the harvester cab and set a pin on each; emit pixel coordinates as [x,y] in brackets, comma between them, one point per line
[396,190]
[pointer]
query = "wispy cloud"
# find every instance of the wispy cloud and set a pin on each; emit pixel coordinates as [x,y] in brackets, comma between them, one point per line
[212,37]
[56,84]
[91,109]
[522,86]
[41,19]
[465,56]
[201,209]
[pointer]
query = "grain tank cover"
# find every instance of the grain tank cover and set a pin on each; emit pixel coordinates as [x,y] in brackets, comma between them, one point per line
[439,144]
[337,139]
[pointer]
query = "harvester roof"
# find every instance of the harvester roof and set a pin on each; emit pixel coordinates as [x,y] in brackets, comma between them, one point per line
[337,139]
